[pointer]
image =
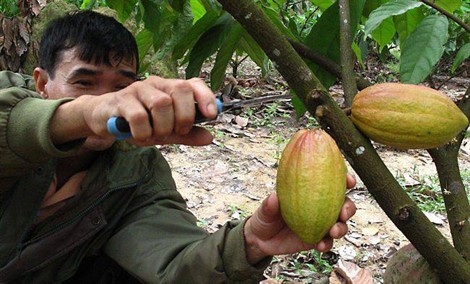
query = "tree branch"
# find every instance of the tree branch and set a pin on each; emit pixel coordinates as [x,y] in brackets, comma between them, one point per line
[329,65]
[464,103]
[358,150]
[347,63]
[452,187]
[447,14]
[455,196]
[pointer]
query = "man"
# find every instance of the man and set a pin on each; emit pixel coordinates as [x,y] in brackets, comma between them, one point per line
[76,207]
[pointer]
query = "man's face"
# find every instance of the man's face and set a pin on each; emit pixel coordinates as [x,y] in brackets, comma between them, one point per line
[74,77]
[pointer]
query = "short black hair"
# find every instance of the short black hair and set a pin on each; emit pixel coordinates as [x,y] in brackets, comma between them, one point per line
[98,38]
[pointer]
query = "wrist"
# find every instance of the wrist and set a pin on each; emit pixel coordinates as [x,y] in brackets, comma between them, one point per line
[68,122]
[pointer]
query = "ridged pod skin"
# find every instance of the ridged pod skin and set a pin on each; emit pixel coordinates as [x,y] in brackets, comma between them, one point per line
[407,116]
[311,184]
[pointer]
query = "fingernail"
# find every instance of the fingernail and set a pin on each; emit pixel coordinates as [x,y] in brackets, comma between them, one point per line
[211,108]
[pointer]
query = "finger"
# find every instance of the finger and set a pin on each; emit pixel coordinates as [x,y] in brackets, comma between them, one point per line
[338,230]
[347,211]
[183,105]
[350,181]
[269,210]
[137,116]
[204,97]
[160,105]
[266,221]
[324,245]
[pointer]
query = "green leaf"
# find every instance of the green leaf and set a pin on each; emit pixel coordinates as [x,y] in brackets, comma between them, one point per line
[178,5]
[224,55]
[151,15]
[293,27]
[358,52]
[87,4]
[144,42]
[387,10]
[323,4]
[211,5]
[371,5]
[197,9]
[207,45]
[407,22]
[199,28]
[254,51]
[274,17]
[449,5]
[324,37]
[384,33]
[461,56]
[423,49]
[174,25]
[299,106]
[123,7]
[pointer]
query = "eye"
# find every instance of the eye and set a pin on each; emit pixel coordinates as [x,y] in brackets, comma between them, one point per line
[83,83]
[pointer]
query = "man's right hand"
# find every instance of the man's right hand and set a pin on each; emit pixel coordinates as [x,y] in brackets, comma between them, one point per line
[167,104]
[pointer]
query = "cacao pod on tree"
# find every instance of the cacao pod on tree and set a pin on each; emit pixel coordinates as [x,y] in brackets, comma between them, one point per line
[407,116]
[311,184]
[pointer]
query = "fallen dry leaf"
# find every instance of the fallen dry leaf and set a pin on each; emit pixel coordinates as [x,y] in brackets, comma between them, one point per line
[241,121]
[270,281]
[370,231]
[374,240]
[434,218]
[353,274]
[334,279]
[347,252]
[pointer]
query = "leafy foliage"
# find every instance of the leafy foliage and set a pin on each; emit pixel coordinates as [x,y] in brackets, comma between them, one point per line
[423,49]
[9,8]
[422,34]
[192,31]
[461,56]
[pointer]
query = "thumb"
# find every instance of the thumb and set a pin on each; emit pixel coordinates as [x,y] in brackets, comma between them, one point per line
[269,210]
[267,221]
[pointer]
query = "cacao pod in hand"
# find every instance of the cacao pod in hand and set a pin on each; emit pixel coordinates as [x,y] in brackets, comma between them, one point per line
[311,184]
[407,116]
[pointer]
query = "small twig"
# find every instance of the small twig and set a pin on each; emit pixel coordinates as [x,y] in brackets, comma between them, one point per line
[452,77]
[243,59]
[447,14]
[326,63]
[307,20]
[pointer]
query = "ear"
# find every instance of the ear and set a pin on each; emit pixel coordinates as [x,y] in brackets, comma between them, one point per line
[41,78]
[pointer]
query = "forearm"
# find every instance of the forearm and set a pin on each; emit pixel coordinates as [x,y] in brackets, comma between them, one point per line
[68,123]
[24,131]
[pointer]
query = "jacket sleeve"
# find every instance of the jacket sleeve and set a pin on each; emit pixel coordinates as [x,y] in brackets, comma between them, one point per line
[159,242]
[24,131]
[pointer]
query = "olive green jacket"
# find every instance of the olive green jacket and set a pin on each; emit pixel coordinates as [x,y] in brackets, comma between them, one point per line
[128,208]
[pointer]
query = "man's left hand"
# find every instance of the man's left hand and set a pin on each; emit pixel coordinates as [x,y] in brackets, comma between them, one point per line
[266,233]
